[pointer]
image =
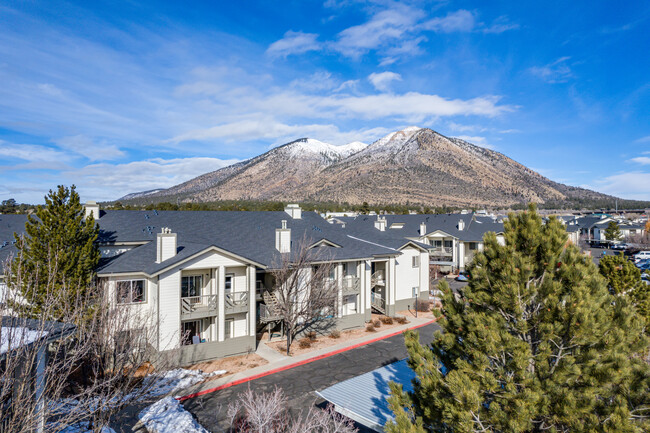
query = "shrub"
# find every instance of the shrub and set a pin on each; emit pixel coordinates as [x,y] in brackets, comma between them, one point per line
[304,343]
[424,307]
[335,334]
[312,335]
[386,320]
[370,328]
[401,320]
[377,323]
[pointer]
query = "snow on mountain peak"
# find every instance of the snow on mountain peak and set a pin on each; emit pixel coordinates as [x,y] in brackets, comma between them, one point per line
[306,146]
[395,139]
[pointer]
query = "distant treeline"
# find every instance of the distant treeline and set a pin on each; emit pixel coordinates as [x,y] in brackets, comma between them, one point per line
[254,205]
[10,206]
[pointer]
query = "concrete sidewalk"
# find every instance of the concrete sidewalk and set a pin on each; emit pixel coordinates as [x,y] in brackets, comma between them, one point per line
[281,363]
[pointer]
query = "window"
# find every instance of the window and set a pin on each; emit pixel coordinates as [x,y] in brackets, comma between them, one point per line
[191,332]
[437,244]
[191,286]
[416,261]
[449,244]
[130,292]
[472,246]
[350,269]
[230,283]
[416,291]
[229,329]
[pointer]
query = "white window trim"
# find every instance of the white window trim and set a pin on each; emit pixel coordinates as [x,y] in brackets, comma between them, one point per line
[415,261]
[131,280]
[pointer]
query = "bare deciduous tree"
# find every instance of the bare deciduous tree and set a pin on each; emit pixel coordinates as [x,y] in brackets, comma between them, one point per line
[305,294]
[84,377]
[254,412]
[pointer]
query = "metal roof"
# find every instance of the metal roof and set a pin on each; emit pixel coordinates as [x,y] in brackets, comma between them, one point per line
[364,398]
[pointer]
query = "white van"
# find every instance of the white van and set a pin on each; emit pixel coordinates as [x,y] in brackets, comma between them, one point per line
[641,255]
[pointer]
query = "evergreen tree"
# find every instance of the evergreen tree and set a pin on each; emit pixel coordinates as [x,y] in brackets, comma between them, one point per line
[613,232]
[621,274]
[58,254]
[534,343]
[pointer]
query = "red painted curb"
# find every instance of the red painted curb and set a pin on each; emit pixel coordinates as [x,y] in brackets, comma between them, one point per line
[296,364]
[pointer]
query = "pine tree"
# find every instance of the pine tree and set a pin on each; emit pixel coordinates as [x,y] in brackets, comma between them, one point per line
[621,274]
[534,343]
[58,254]
[613,232]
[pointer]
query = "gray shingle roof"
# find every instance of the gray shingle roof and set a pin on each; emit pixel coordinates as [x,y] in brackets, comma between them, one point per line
[250,235]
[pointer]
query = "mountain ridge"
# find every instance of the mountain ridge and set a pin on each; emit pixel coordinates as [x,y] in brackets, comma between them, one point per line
[413,165]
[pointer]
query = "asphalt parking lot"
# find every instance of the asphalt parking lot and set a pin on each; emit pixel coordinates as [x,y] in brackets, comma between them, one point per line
[299,383]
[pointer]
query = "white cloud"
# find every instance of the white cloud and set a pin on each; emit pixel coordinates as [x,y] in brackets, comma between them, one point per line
[500,25]
[555,72]
[384,28]
[643,160]
[466,128]
[458,21]
[381,80]
[645,139]
[294,43]
[631,185]
[32,156]
[85,146]
[110,181]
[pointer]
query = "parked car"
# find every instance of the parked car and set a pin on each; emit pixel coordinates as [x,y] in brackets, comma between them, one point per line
[642,263]
[641,255]
[462,276]
[619,247]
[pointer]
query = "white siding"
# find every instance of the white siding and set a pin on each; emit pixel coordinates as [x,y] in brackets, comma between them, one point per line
[241,327]
[170,310]
[406,275]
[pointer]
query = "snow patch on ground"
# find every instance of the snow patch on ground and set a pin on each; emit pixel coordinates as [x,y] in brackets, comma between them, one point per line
[176,380]
[169,416]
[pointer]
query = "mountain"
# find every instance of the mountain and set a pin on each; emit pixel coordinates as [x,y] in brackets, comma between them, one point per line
[416,165]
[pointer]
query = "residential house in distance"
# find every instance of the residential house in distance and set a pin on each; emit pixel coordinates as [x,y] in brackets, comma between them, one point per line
[451,239]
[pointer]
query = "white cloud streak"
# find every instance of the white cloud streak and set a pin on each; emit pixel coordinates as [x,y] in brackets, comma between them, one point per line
[294,43]
[381,80]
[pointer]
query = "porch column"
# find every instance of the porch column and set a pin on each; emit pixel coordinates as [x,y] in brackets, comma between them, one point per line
[252,301]
[221,304]
[339,284]
[454,253]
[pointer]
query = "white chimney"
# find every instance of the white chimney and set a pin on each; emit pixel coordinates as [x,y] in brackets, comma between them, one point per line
[165,245]
[423,229]
[461,225]
[283,238]
[294,211]
[380,224]
[91,208]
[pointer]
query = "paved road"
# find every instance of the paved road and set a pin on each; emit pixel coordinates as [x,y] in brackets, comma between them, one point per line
[299,383]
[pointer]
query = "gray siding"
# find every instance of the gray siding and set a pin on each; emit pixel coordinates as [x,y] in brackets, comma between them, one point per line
[193,353]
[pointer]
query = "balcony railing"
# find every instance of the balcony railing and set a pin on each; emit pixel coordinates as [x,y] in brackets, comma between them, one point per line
[350,284]
[236,302]
[378,278]
[440,251]
[196,306]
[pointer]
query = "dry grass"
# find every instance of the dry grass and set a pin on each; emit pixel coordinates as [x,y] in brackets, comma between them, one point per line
[333,338]
[232,364]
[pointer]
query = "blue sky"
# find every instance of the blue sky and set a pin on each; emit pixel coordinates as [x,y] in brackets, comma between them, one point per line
[118,97]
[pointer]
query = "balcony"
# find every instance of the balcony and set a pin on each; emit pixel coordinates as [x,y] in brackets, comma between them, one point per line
[440,251]
[350,285]
[236,302]
[198,307]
